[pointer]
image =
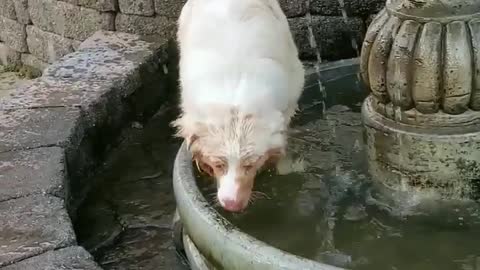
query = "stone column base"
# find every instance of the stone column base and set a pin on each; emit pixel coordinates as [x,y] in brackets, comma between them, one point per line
[441,160]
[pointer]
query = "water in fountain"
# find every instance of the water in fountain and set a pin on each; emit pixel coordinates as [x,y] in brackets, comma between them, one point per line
[328,210]
[327,223]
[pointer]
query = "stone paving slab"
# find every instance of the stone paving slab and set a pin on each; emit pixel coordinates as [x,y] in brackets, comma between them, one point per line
[36,171]
[35,224]
[40,94]
[33,128]
[71,258]
[104,62]
[91,65]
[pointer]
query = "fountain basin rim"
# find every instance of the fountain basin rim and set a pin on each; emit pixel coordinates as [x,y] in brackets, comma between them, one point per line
[195,258]
[217,239]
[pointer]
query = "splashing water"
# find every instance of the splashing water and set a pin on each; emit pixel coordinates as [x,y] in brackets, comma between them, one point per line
[343,10]
[315,46]
[353,40]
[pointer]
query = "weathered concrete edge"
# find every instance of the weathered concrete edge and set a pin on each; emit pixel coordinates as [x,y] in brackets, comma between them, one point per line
[97,118]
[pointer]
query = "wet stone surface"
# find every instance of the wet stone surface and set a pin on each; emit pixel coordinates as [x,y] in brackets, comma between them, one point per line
[126,220]
[96,66]
[38,93]
[35,224]
[71,258]
[31,128]
[35,171]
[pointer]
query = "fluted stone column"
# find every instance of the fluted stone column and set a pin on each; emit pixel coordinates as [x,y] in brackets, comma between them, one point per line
[421,62]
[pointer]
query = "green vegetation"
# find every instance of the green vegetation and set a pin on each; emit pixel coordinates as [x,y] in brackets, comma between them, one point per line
[23,71]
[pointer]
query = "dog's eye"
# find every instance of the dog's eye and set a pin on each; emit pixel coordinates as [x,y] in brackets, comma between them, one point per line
[219,166]
[247,167]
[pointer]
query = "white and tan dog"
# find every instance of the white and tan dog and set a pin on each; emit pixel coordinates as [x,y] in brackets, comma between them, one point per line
[241,79]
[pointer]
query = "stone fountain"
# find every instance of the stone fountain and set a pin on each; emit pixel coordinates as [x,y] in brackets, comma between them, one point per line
[421,62]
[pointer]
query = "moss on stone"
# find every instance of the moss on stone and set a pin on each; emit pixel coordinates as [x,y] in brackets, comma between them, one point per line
[23,71]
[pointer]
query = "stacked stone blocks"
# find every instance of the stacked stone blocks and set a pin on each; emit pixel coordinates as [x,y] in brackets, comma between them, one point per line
[39,32]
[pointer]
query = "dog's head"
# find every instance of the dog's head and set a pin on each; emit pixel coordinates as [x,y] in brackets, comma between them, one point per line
[232,147]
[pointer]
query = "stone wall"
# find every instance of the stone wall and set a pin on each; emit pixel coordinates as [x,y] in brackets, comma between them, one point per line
[322,22]
[38,32]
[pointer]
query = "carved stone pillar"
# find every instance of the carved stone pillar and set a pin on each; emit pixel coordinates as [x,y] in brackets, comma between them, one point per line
[421,62]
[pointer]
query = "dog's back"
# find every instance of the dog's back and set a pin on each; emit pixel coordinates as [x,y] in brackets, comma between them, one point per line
[239,53]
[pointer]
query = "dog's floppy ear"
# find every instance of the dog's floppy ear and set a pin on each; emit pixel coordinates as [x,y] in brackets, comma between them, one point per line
[274,155]
[189,140]
[188,129]
[193,133]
